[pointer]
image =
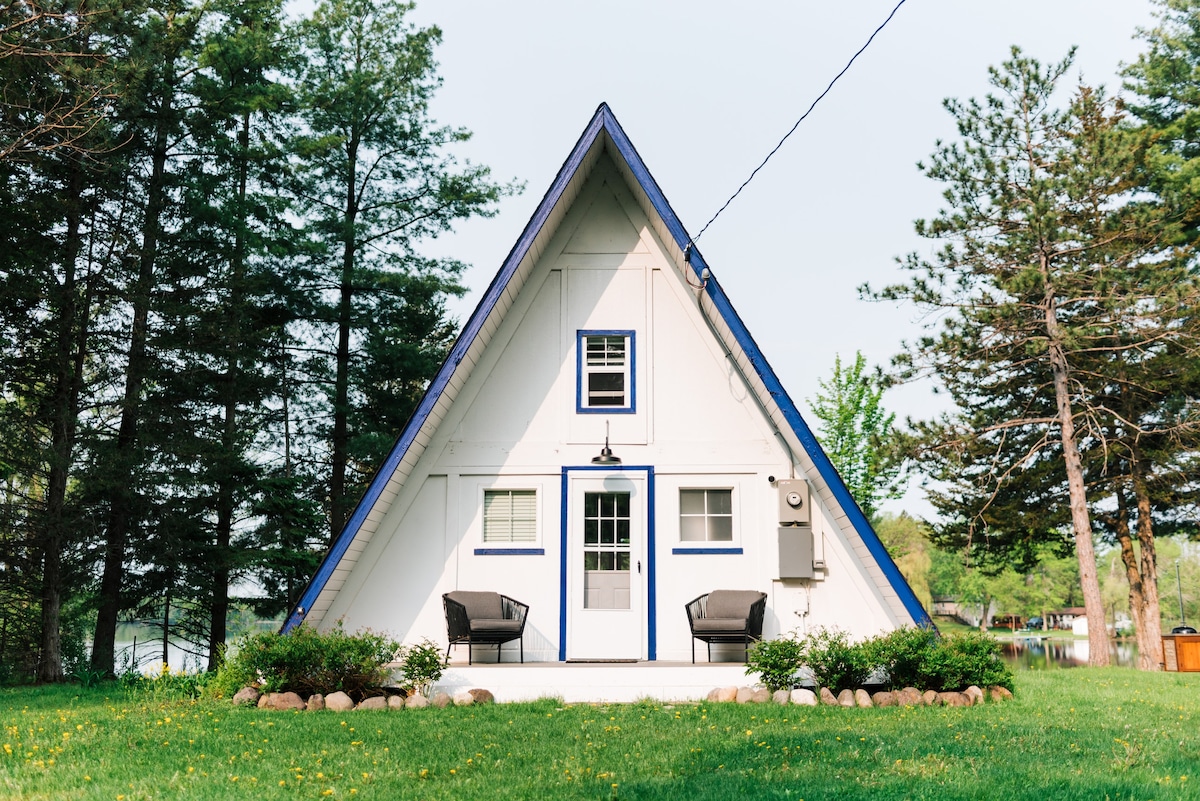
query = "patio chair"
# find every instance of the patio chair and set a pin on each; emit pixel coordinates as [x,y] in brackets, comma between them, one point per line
[726,616]
[483,618]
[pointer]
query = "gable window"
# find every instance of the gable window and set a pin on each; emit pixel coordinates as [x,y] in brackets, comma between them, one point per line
[706,515]
[509,515]
[605,382]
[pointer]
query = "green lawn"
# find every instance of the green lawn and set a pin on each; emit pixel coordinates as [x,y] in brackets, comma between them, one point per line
[1070,734]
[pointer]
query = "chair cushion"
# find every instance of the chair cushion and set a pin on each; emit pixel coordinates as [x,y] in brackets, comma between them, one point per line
[479,605]
[710,625]
[730,603]
[494,624]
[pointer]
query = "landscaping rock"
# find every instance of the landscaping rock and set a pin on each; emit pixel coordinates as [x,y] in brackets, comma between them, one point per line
[482,696]
[247,696]
[827,697]
[714,695]
[395,702]
[998,694]
[953,699]
[884,698]
[929,698]
[910,696]
[781,696]
[862,698]
[846,698]
[463,698]
[316,702]
[761,695]
[417,701]
[338,702]
[804,697]
[441,700]
[726,694]
[745,695]
[375,702]
[282,702]
[975,694]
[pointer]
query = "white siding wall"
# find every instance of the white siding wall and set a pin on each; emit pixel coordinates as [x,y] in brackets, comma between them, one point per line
[515,424]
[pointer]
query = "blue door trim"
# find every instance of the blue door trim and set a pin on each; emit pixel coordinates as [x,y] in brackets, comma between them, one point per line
[651,587]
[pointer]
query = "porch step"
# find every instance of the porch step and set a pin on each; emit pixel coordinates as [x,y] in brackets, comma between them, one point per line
[579,682]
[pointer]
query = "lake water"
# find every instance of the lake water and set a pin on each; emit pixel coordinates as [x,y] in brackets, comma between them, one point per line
[1036,654]
[142,644]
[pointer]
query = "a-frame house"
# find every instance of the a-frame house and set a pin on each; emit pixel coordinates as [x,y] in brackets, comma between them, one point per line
[603,327]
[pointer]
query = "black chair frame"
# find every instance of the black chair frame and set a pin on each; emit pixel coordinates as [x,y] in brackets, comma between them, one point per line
[697,608]
[458,627]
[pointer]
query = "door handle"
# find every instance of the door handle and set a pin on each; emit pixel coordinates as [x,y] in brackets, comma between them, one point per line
[639,566]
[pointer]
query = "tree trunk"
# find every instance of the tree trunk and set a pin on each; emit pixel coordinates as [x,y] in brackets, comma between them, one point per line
[1150,654]
[1137,600]
[1085,551]
[70,343]
[339,505]
[226,502]
[120,488]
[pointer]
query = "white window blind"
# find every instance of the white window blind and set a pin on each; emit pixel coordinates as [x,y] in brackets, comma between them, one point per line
[509,515]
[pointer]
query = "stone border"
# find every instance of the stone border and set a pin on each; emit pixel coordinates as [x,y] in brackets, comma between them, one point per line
[341,702]
[909,696]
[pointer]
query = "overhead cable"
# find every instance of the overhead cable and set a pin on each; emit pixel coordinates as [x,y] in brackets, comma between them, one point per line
[797,125]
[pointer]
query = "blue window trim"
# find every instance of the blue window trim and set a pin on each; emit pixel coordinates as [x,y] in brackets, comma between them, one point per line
[579,355]
[706,551]
[510,551]
[651,583]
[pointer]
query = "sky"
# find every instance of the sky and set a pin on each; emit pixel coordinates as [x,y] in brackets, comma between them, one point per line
[706,89]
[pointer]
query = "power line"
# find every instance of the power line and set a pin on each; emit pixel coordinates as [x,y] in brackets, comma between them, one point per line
[797,125]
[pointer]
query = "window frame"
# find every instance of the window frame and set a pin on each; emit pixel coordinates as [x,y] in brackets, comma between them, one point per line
[534,547]
[707,546]
[582,371]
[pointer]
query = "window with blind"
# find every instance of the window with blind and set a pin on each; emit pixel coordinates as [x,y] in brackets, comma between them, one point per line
[509,515]
[606,371]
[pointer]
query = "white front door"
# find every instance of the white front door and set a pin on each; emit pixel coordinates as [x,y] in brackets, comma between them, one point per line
[606,566]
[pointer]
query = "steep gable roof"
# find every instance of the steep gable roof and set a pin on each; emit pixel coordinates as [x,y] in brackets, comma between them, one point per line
[603,134]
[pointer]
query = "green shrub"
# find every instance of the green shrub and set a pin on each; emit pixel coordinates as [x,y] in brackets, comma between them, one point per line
[422,665]
[906,656]
[915,657]
[306,661]
[970,658]
[776,662]
[836,662]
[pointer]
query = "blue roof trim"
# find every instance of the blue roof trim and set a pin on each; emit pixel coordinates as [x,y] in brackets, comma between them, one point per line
[770,380]
[604,121]
[457,354]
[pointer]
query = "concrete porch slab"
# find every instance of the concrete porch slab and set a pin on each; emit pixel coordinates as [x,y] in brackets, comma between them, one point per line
[593,682]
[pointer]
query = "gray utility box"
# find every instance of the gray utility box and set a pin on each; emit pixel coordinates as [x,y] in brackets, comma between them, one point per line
[794,503]
[795,552]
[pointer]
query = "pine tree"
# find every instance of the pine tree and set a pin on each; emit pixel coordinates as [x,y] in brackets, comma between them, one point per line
[1046,273]
[375,180]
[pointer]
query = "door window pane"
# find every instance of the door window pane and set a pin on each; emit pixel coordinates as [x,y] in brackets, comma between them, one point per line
[606,543]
